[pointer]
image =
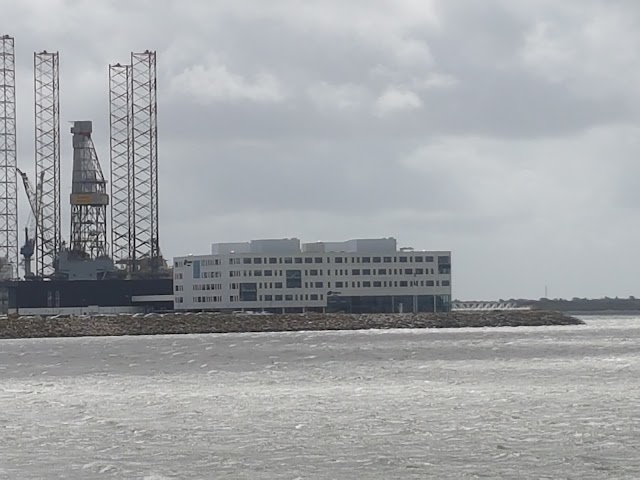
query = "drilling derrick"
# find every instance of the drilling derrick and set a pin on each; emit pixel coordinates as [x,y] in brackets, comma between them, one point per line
[120,129]
[146,254]
[89,197]
[8,160]
[47,149]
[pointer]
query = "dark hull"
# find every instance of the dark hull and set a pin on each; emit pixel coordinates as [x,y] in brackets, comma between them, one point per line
[103,293]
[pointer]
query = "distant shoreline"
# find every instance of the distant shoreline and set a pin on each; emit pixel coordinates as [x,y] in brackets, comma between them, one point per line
[203,323]
[596,313]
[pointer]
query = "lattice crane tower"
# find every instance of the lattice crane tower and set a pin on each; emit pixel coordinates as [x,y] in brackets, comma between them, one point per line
[47,147]
[8,159]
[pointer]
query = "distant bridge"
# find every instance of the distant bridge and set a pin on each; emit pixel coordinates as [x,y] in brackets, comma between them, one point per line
[485,306]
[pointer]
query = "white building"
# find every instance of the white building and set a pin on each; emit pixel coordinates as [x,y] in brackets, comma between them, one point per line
[359,276]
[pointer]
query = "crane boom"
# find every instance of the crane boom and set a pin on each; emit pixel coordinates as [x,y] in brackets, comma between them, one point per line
[35,201]
[31,196]
[34,197]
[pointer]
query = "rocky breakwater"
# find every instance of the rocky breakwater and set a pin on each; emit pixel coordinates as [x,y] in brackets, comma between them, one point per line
[184,323]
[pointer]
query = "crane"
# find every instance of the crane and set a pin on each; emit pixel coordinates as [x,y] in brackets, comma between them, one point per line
[35,202]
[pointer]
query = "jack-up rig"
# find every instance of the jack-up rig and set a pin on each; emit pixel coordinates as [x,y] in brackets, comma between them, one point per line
[131,254]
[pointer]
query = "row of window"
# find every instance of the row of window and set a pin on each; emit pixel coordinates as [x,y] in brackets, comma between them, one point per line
[209,299]
[204,263]
[364,284]
[306,260]
[399,283]
[211,274]
[443,270]
[300,260]
[208,286]
[262,298]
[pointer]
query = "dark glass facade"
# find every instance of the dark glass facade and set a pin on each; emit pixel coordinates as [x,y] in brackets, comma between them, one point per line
[388,304]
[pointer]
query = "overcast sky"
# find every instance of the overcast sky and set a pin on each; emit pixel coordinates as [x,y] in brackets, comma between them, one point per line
[504,130]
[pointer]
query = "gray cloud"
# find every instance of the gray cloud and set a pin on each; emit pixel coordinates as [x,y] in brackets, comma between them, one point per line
[506,131]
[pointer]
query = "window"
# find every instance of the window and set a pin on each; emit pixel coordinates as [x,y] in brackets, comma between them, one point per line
[419,271]
[278,285]
[403,259]
[288,260]
[257,261]
[313,273]
[366,259]
[339,285]
[297,260]
[408,271]
[377,284]
[294,278]
[288,298]
[382,271]
[246,261]
[257,273]
[404,283]
[248,292]
[338,260]
[268,273]
[428,259]
[273,260]
[376,259]
[387,259]
[446,283]
[314,296]
[366,271]
[366,284]
[278,298]
[355,272]
[319,285]
[234,261]
[418,259]
[318,260]
[308,260]
[429,283]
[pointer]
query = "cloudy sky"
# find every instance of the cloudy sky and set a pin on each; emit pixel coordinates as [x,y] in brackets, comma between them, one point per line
[504,130]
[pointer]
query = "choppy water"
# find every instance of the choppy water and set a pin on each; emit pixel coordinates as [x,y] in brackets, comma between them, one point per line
[559,402]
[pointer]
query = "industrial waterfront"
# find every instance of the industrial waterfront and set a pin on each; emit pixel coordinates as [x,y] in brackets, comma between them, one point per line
[531,402]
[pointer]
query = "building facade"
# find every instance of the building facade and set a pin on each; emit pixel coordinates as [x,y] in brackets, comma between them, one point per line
[283,276]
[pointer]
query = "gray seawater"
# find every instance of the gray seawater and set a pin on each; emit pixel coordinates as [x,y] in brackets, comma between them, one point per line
[547,402]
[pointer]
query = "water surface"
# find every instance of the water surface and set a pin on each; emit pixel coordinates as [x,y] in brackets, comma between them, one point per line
[539,402]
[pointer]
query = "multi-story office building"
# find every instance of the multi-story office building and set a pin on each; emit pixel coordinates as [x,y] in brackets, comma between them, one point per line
[358,276]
